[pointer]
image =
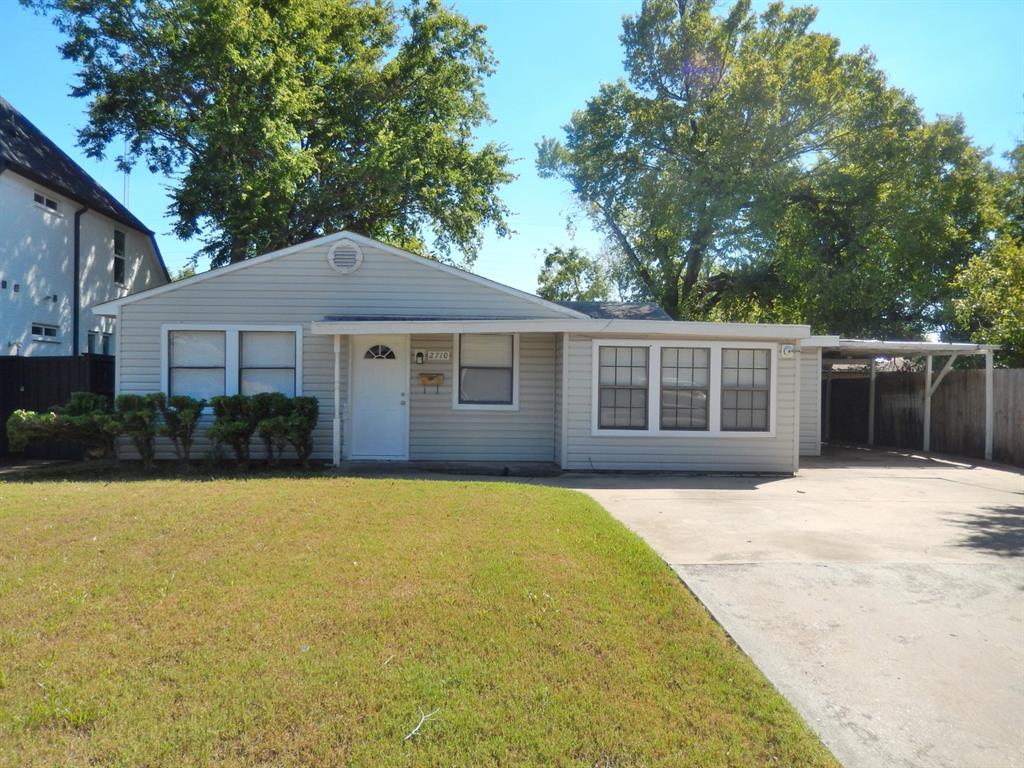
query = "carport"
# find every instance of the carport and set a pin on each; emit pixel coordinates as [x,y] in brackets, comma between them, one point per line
[868,352]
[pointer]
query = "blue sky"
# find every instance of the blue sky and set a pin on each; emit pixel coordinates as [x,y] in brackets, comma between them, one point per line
[954,57]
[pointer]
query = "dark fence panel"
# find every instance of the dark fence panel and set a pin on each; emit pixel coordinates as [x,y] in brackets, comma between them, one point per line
[958,412]
[40,383]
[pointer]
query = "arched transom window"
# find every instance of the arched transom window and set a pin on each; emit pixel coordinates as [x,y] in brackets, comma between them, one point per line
[379,352]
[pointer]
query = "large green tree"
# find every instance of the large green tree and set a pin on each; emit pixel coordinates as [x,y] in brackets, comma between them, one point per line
[990,288]
[281,120]
[571,275]
[747,170]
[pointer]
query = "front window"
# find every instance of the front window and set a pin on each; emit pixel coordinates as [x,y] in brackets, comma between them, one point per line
[196,363]
[684,388]
[486,369]
[266,362]
[746,375]
[119,257]
[622,388]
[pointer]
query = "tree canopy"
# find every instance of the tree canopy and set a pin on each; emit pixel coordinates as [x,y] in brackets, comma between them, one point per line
[280,121]
[570,275]
[747,169]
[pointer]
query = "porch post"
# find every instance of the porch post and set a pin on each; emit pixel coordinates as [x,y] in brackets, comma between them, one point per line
[828,405]
[871,404]
[989,404]
[336,441]
[927,403]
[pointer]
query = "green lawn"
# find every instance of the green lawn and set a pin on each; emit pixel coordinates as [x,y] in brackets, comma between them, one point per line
[309,621]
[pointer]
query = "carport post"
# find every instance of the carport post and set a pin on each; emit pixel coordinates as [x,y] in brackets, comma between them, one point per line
[336,422]
[927,403]
[989,404]
[871,404]
[828,404]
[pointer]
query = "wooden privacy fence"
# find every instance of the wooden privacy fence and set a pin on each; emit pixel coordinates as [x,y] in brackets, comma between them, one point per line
[958,413]
[40,383]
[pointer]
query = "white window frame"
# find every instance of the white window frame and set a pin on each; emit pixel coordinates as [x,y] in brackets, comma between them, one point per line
[232,351]
[42,337]
[654,389]
[46,198]
[456,383]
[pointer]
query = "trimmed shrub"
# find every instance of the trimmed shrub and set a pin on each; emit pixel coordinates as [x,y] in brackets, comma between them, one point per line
[87,419]
[139,420]
[24,427]
[233,425]
[180,415]
[300,425]
[271,411]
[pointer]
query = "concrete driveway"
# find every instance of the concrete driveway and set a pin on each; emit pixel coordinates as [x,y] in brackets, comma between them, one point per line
[882,594]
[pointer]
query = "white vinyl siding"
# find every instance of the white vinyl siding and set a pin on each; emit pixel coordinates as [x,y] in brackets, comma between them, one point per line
[302,287]
[439,432]
[810,402]
[589,448]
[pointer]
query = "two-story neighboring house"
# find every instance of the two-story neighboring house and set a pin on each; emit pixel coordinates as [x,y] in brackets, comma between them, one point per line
[65,245]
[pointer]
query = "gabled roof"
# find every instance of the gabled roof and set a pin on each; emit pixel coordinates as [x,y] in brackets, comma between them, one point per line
[27,151]
[110,307]
[618,310]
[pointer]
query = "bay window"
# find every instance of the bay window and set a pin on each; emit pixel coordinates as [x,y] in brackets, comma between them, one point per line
[487,370]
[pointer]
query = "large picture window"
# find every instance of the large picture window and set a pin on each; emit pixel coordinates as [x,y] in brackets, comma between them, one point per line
[204,361]
[622,387]
[684,388]
[746,382]
[196,364]
[266,362]
[486,369]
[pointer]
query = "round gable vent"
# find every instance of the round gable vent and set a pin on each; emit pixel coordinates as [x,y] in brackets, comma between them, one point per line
[345,256]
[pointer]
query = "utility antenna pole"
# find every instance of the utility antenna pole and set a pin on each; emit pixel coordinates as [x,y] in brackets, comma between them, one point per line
[125,186]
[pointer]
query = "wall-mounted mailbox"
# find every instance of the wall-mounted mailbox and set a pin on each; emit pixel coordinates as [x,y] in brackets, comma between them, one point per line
[430,379]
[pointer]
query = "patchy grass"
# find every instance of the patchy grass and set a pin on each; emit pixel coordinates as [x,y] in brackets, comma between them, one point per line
[287,622]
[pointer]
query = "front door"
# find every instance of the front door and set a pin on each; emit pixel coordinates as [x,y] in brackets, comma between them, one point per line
[380,406]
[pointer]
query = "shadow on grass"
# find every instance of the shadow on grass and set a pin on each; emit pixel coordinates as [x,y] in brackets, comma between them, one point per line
[998,530]
[107,471]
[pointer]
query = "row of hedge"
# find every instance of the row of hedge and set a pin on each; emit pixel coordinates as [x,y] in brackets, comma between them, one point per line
[87,419]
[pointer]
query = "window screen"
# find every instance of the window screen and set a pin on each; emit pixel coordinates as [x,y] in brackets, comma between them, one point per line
[684,388]
[266,362]
[622,387]
[746,375]
[196,361]
[486,368]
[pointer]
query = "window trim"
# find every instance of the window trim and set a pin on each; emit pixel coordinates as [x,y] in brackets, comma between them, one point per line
[714,429]
[232,351]
[456,378]
[43,338]
[46,199]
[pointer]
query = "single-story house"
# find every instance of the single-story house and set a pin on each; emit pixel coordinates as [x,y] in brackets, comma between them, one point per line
[414,360]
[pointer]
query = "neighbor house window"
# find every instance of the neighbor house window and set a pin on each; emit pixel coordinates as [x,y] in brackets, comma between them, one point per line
[119,257]
[45,202]
[266,362]
[684,388]
[196,363]
[100,343]
[746,376]
[622,387]
[43,332]
[486,369]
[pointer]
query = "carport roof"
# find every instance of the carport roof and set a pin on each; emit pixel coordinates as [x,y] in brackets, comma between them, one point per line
[877,348]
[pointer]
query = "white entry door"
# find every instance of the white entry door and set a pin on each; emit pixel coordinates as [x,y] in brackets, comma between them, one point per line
[380,402]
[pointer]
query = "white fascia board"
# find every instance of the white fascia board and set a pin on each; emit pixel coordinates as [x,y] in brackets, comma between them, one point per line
[633,328]
[109,308]
[812,342]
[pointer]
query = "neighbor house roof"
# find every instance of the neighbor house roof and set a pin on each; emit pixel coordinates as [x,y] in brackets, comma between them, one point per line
[618,310]
[27,151]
